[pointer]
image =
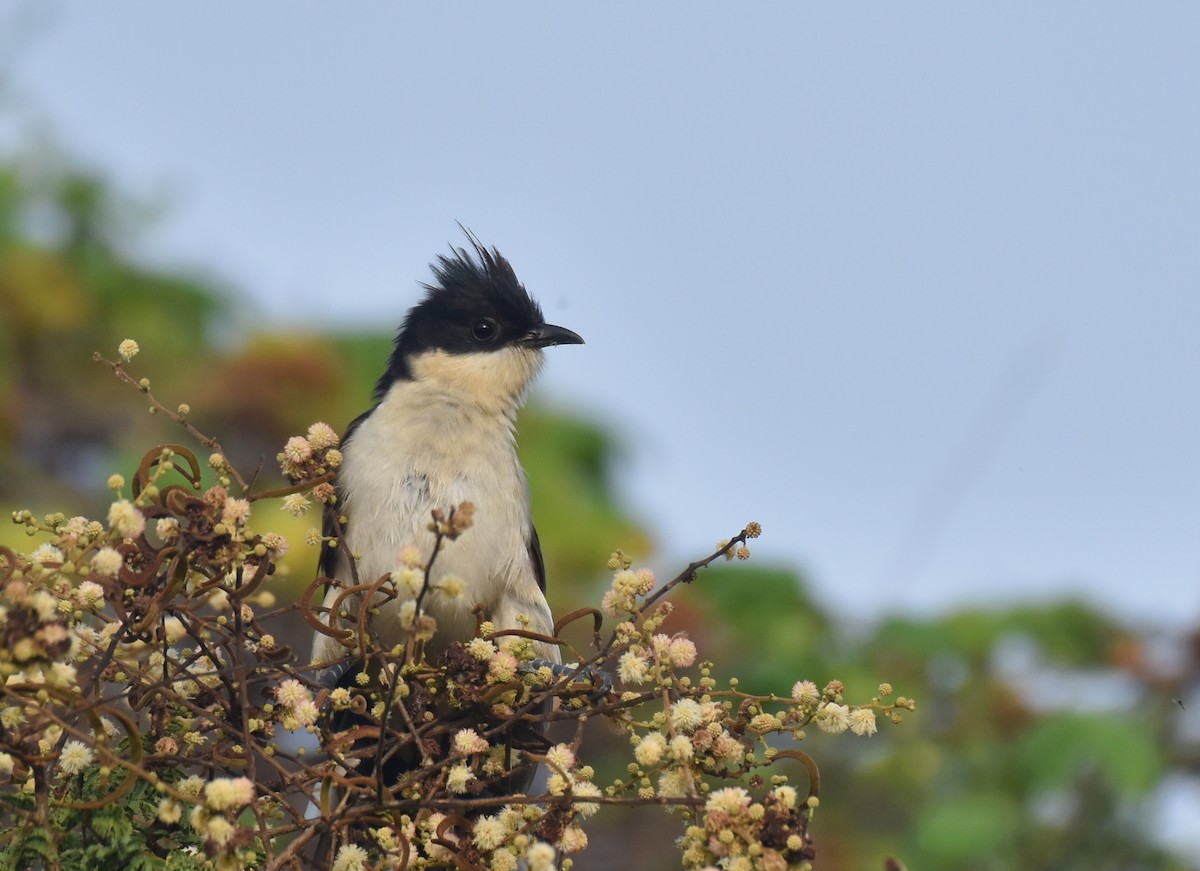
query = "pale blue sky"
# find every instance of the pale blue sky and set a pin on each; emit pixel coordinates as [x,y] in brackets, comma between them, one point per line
[915,286]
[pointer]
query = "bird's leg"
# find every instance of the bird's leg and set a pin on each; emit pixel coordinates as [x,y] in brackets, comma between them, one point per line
[331,677]
[600,680]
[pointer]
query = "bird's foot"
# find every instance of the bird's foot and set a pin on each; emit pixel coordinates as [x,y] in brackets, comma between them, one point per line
[600,680]
[331,677]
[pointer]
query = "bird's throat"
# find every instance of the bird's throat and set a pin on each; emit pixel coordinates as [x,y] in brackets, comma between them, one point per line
[494,381]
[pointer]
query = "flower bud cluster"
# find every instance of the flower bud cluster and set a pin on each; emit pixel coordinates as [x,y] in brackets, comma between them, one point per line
[313,456]
[295,708]
[36,641]
[628,589]
[737,832]
[452,524]
[214,820]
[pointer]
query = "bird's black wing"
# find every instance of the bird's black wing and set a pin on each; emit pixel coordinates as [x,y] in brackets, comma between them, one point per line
[329,520]
[535,557]
[328,563]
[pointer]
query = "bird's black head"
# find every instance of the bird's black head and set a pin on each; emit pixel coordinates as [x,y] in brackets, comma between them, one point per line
[476,319]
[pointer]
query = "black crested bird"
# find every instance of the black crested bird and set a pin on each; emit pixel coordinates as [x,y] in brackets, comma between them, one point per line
[442,432]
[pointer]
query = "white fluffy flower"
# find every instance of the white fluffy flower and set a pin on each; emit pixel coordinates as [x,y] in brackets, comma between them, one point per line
[126,519]
[227,793]
[76,756]
[862,721]
[351,857]
[650,749]
[681,748]
[107,561]
[561,756]
[322,435]
[46,553]
[458,777]
[833,718]
[632,668]
[806,692]
[469,741]
[540,856]
[489,833]
[686,714]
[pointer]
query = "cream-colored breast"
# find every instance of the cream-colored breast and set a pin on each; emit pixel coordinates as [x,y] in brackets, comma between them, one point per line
[425,448]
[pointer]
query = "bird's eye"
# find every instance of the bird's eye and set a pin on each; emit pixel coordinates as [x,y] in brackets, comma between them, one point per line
[484,330]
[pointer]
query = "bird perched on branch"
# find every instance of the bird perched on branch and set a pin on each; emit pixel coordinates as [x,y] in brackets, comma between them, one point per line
[442,432]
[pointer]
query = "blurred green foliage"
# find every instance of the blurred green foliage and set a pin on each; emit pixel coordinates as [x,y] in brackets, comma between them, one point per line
[1006,764]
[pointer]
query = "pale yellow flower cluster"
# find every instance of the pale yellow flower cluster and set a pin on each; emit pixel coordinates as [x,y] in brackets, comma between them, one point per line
[296,707]
[351,857]
[228,793]
[128,349]
[75,757]
[311,456]
[125,519]
[215,819]
[502,839]
[627,587]
[742,834]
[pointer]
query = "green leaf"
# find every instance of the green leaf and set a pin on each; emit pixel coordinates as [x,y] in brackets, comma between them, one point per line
[28,847]
[111,823]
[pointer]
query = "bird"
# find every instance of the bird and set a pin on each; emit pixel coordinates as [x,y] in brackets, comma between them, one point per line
[442,431]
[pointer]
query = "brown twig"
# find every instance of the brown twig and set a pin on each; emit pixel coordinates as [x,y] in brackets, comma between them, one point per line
[208,441]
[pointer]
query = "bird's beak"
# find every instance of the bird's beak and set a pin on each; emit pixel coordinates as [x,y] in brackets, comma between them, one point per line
[549,334]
